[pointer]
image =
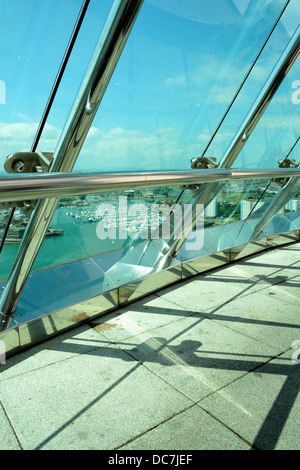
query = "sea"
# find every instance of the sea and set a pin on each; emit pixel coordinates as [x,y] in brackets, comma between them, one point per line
[79,240]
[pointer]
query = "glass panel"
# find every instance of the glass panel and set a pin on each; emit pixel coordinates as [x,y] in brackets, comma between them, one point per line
[99,223]
[33,37]
[13,238]
[86,40]
[279,127]
[229,221]
[180,69]
[234,216]
[276,132]
[163,71]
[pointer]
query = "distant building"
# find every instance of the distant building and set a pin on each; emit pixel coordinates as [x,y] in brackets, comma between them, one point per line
[247,206]
[293,205]
[212,209]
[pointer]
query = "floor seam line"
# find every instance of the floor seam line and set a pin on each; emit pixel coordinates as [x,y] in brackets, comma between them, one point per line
[11,426]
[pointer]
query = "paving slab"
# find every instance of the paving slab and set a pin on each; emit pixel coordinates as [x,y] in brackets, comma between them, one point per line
[216,288]
[193,429]
[8,440]
[95,400]
[81,340]
[289,291]
[264,316]
[195,355]
[264,407]
[143,315]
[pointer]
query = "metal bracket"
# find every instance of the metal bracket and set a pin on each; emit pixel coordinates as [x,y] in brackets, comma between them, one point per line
[26,162]
[200,163]
[286,163]
[25,206]
[203,163]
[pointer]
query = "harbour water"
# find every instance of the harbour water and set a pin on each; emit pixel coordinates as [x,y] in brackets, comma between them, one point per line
[79,220]
[79,240]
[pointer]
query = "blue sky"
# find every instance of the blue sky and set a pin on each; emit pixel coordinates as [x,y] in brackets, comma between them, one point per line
[180,68]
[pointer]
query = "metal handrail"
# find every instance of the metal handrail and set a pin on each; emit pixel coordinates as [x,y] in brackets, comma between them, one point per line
[28,187]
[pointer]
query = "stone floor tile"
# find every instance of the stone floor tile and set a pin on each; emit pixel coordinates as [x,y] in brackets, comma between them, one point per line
[8,439]
[197,356]
[143,315]
[264,407]
[262,315]
[192,429]
[56,349]
[96,400]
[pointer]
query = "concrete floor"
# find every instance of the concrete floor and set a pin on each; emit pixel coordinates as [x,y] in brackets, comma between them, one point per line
[205,364]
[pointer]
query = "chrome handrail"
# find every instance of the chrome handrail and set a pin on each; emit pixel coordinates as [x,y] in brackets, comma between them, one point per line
[29,186]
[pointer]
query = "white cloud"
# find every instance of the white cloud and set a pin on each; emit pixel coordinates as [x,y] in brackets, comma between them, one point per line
[290,19]
[18,137]
[113,150]
[179,80]
[121,149]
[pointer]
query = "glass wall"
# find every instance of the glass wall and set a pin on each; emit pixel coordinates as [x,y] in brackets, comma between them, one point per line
[179,72]
[185,81]
[181,67]
[34,36]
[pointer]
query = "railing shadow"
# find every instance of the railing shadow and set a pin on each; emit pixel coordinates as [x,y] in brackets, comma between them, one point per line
[189,352]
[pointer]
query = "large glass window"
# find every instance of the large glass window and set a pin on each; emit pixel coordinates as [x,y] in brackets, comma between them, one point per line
[34,35]
[176,79]
[179,72]
[180,69]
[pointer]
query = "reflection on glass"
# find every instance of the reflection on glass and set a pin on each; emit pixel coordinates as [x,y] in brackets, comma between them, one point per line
[88,225]
[277,130]
[33,38]
[100,223]
[178,73]
[233,218]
